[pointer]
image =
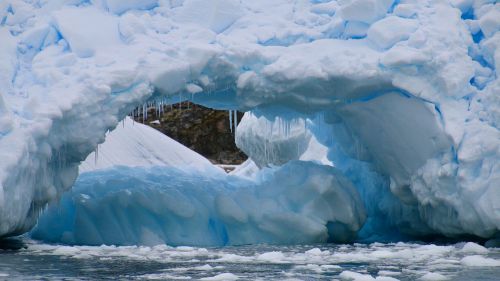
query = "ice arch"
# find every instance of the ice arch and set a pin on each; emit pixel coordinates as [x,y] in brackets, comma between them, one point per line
[73,69]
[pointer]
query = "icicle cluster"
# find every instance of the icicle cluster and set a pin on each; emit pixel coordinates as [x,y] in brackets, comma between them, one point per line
[233,120]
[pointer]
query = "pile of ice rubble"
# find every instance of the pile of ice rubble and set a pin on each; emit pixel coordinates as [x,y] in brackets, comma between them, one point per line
[401,98]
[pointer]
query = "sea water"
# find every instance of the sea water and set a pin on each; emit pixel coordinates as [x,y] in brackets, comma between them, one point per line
[31,260]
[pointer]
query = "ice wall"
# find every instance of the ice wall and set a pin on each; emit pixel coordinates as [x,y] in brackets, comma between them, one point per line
[72,69]
[157,205]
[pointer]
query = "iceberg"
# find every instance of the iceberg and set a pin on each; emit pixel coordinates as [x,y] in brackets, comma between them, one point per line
[166,205]
[146,189]
[410,116]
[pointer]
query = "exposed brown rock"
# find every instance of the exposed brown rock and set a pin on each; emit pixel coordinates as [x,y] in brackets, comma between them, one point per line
[202,129]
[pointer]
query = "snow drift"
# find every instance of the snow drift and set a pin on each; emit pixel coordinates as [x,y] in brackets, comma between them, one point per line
[407,91]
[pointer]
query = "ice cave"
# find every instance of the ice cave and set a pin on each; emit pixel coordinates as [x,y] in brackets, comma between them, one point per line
[364,120]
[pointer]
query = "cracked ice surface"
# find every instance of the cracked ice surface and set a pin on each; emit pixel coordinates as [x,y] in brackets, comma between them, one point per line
[421,102]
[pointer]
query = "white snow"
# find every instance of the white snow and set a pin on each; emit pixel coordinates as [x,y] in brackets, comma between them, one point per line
[87,30]
[120,6]
[490,22]
[367,11]
[387,32]
[216,15]
[133,144]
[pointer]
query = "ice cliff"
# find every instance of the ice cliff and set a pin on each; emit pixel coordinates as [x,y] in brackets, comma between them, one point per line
[403,94]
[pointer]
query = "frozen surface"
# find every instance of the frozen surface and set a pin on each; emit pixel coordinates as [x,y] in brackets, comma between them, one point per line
[401,261]
[408,91]
[301,202]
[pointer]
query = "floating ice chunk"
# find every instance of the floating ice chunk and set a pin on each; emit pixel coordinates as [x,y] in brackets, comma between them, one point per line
[221,277]
[314,252]
[477,260]
[432,276]
[385,278]
[205,267]
[367,11]
[355,276]
[388,31]
[471,247]
[272,257]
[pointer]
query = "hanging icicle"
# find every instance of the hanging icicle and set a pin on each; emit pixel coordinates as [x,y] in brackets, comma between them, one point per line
[143,114]
[231,120]
[96,154]
[235,121]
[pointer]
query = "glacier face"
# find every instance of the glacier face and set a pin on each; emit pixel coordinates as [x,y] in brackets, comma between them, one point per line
[408,91]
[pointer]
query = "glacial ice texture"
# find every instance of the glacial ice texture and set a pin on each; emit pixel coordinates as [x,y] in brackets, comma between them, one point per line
[407,91]
[165,205]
